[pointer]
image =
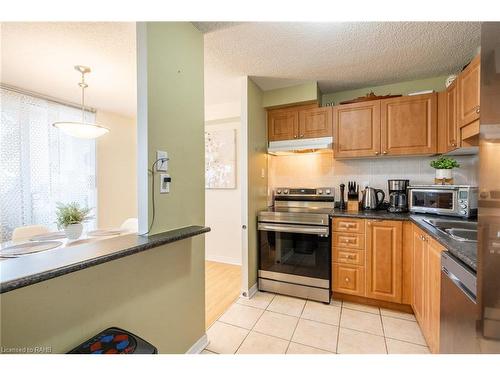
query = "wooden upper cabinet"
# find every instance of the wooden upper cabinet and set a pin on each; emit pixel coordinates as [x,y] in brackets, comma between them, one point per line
[384,261]
[409,125]
[282,125]
[469,83]
[357,130]
[315,122]
[451,117]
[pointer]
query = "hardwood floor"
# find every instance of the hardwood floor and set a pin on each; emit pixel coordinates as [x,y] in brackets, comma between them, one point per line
[222,288]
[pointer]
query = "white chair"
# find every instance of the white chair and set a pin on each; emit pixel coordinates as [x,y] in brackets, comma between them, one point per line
[131,225]
[28,231]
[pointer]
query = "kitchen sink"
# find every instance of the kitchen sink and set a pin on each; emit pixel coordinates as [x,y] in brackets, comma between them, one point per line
[459,230]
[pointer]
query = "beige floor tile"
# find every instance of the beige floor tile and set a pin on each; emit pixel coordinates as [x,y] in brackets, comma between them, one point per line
[401,347]
[360,307]
[241,316]
[207,352]
[321,313]
[278,325]
[397,314]
[257,343]
[355,342]
[316,334]
[361,321]
[295,348]
[403,330]
[336,302]
[260,300]
[287,305]
[224,338]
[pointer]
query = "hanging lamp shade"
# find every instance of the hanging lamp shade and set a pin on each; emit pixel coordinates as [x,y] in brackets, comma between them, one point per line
[81,129]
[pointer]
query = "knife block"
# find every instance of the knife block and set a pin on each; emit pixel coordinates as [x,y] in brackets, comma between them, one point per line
[353,205]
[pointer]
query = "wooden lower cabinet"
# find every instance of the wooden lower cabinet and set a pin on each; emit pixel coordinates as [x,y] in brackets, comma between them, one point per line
[384,260]
[427,286]
[348,279]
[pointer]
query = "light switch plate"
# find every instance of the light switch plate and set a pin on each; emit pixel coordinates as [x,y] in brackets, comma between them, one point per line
[162,166]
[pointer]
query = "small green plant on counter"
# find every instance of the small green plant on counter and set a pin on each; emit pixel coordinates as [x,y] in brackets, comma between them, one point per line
[71,213]
[444,163]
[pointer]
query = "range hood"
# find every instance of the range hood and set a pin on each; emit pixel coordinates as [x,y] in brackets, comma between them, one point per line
[323,144]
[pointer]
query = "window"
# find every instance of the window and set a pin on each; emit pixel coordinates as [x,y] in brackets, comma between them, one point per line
[39,165]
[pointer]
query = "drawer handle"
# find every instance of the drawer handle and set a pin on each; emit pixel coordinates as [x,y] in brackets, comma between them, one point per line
[347,256]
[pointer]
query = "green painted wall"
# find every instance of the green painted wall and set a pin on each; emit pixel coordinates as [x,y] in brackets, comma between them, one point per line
[434,83]
[176,121]
[290,95]
[257,163]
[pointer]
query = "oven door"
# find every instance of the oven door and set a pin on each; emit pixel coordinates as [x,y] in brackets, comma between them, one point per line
[436,201]
[294,250]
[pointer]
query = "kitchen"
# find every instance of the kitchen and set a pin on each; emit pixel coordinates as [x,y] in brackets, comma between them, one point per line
[373,200]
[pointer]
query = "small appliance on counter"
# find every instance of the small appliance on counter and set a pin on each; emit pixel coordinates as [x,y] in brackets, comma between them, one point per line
[371,200]
[398,198]
[450,200]
[295,244]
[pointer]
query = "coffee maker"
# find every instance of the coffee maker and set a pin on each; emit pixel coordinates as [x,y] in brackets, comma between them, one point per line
[398,198]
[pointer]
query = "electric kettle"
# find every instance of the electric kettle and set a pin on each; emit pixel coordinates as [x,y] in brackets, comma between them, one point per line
[371,199]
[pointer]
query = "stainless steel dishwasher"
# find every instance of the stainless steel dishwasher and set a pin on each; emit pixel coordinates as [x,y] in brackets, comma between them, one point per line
[459,314]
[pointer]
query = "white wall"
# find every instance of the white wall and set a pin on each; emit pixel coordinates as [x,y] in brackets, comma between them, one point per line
[116,159]
[223,206]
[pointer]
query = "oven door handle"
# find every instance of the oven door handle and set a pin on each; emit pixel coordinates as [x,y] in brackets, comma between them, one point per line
[321,231]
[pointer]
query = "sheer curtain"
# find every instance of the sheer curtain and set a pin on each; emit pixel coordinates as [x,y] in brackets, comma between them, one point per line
[39,165]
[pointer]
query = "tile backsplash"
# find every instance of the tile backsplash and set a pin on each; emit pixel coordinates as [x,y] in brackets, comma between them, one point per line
[321,169]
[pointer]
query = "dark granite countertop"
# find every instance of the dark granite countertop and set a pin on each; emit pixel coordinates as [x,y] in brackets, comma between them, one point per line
[34,268]
[464,251]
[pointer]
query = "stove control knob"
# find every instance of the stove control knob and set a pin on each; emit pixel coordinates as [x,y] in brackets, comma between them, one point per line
[278,191]
[463,212]
[320,191]
[328,191]
[463,206]
[285,191]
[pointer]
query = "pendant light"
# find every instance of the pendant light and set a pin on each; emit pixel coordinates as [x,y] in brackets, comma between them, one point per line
[81,129]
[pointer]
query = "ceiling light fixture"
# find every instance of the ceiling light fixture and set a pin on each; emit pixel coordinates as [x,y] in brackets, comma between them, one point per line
[81,129]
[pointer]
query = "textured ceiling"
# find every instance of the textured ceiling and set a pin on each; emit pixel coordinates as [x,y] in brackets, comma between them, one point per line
[340,56]
[40,57]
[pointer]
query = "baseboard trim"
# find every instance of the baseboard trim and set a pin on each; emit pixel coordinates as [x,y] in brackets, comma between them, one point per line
[250,293]
[199,345]
[223,259]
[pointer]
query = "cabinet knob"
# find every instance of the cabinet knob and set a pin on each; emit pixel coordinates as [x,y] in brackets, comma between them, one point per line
[453,143]
[294,136]
[347,280]
[385,152]
[478,109]
[376,152]
[302,136]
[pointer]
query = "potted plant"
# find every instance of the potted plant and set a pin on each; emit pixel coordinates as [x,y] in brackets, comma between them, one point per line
[70,218]
[444,166]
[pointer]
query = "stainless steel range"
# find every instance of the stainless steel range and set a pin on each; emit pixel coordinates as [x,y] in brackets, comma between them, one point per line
[295,243]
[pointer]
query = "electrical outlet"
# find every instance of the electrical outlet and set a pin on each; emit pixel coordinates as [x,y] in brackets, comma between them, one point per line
[165,183]
[162,166]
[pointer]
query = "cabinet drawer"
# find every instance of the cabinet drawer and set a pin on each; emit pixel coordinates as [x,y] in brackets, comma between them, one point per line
[356,257]
[349,225]
[349,240]
[348,279]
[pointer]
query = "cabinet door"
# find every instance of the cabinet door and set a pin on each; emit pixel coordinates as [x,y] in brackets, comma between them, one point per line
[384,261]
[357,130]
[469,83]
[433,293]
[315,123]
[409,125]
[282,125]
[419,275]
[348,279]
